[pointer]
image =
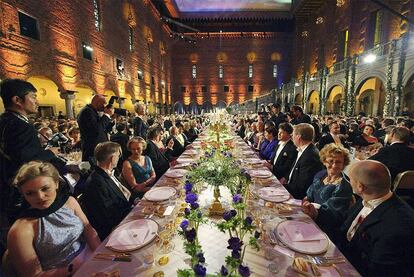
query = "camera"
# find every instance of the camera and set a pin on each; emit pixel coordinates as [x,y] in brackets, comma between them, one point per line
[59,140]
[117,111]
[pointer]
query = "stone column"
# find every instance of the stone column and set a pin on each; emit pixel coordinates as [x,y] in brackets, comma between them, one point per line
[68,96]
[389,91]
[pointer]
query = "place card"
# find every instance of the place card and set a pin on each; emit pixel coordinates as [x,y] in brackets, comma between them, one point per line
[168,210]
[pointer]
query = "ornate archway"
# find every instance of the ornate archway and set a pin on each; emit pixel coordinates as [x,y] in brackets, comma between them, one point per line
[335,100]
[313,102]
[370,97]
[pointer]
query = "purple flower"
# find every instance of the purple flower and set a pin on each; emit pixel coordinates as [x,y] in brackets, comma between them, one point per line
[227,215]
[199,270]
[237,198]
[235,254]
[190,235]
[244,271]
[256,234]
[188,187]
[224,271]
[234,243]
[248,221]
[184,224]
[194,205]
[191,198]
[186,211]
[200,257]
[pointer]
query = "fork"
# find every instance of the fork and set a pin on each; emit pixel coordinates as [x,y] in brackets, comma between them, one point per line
[320,260]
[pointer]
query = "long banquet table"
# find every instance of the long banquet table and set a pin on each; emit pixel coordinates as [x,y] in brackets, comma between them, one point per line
[212,240]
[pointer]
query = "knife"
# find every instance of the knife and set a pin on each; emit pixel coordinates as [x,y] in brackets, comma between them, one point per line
[114,259]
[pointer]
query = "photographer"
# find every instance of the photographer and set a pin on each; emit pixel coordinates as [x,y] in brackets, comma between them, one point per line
[93,127]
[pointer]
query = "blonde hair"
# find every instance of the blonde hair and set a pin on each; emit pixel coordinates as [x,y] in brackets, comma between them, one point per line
[137,140]
[305,130]
[34,169]
[333,149]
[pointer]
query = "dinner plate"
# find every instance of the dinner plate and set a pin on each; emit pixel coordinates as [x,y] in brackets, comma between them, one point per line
[273,194]
[254,161]
[184,160]
[260,173]
[302,237]
[132,235]
[160,194]
[191,152]
[175,173]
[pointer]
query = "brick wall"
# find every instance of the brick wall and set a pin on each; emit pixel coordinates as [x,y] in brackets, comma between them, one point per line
[64,25]
[354,16]
[234,54]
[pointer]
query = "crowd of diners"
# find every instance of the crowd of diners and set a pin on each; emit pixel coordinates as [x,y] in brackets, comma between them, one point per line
[52,230]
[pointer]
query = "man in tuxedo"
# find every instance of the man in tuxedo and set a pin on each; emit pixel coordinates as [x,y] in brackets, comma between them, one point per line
[105,200]
[333,136]
[285,153]
[160,162]
[19,141]
[377,236]
[307,163]
[277,116]
[299,116]
[398,157]
[93,127]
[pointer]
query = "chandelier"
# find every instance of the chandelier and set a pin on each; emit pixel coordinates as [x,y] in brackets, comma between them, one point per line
[340,3]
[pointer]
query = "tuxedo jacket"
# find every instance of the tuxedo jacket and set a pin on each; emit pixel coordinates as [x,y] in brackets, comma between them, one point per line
[327,139]
[383,244]
[160,162]
[103,202]
[178,148]
[277,119]
[303,172]
[397,157]
[94,129]
[140,127]
[285,160]
[20,143]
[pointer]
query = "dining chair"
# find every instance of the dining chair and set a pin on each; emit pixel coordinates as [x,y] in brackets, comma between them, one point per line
[403,186]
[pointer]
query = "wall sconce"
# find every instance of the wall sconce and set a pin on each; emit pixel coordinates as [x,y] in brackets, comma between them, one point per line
[319,20]
[305,34]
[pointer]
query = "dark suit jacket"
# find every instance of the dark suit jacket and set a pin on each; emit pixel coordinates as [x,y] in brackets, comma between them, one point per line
[327,139]
[279,118]
[304,171]
[285,160]
[302,119]
[178,149]
[93,129]
[383,244]
[159,160]
[140,127]
[105,205]
[397,157]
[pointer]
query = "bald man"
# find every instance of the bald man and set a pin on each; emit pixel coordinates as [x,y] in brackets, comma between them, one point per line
[378,235]
[94,127]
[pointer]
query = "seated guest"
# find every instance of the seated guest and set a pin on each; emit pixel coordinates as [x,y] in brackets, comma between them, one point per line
[160,160]
[258,138]
[189,132]
[330,189]
[122,139]
[299,116]
[105,199]
[381,132]
[333,136]
[268,146]
[178,148]
[307,163]
[45,135]
[398,157]
[366,138]
[74,135]
[353,133]
[241,128]
[377,236]
[137,170]
[53,236]
[249,138]
[181,137]
[285,152]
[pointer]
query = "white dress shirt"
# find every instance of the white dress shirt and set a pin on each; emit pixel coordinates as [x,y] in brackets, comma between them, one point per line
[121,187]
[282,145]
[368,207]
[300,152]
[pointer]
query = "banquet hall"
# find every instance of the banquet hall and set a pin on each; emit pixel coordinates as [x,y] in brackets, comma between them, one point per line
[206,138]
